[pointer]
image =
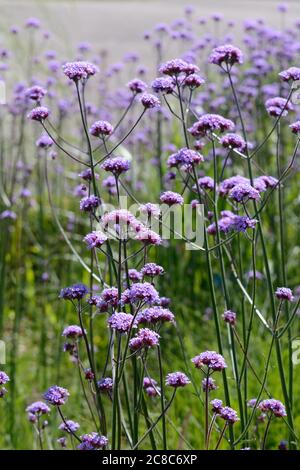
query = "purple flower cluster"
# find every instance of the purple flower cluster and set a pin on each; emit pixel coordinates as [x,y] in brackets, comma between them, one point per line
[229,317]
[227,54]
[145,338]
[75,292]
[121,322]
[56,395]
[177,379]
[273,406]
[79,70]
[38,408]
[284,293]
[69,426]
[170,198]
[154,315]
[152,270]
[101,129]
[93,441]
[89,203]
[38,114]
[95,239]
[116,165]
[210,123]
[105,384]
[73,331]
[211,360]
[140,292]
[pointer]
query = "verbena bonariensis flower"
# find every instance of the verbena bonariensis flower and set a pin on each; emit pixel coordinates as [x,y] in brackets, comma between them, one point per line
[149,101]
[79,70]
[210,123]
[137,86]
[185,156]
[150,209]
[163,85]
[33,23]
[234,141]
[93,441]
[140,292]
[227,54]
[62,441]
[274,406]
[295,127]
[89,203]
[293,73]
[229,317]
[87,175]
[4,378]
[217,405]
[121,322]
[193,81]
[211,359]
[69,426]
[110,295]
[149,382]
[252,402]
[208,383]
[95,239]
[38,408]
[244,191]
[229,415]
[156,314]
[148,237]
[75,292]
[72,331]
[173,67]
[56,395]
[229,183]
[35,93]
[278,106]
[101,129]
[145,338]
[262,183]
[177,379]
[105,384]
[284,293]
[134,275]
[116,165]
[170,198]
[152,270]
[40,113]
[206,182]
[44,141]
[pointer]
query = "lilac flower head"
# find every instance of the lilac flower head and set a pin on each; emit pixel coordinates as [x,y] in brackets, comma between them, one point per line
[33,23]
[38,408]
[284,293]
[145,338]
[241,223]
[242,192]
[72,331]
[93,441]
[163,85]
[40,113]
[87,175]
[95,239]
[211,359]
[229,183]
[193,81]
[56,395]
[116,165]
[177,379]
[75,292]
[140,292]
[134,275]
[150,209]
[229,317]
[137,86]
[210,123]
[252,402]
[121,322]
[208,383]
[156,314]
[148,237]
[173,67]
[69,426]
[101,128]
[217,405]
[79,70]
[4,378]
[206,182]
[278,106]
[295,127]
[229,415]
[152,270]
[293,73]
[170,198]
[105,384]
[227,54]
[89,203]
[110,295]
[35,93]
[44,141]
[149,101]
[274,406]
[148,382]
[234,141]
